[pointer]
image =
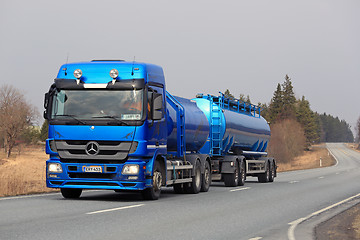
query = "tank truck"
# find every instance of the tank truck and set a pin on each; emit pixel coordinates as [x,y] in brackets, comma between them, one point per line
[113,125]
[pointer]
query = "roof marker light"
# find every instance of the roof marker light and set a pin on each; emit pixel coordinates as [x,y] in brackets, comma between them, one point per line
[77,75]
[114,74]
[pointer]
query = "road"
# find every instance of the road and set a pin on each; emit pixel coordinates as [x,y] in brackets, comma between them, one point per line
[254,211]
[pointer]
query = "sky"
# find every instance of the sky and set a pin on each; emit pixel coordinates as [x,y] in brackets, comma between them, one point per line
[204,46]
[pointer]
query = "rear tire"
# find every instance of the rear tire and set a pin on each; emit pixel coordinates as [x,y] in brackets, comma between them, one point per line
[232,179]
[206,178]
[153,193]
[195,186]
[242,174]
[272,172]
[71,193]
[264,177]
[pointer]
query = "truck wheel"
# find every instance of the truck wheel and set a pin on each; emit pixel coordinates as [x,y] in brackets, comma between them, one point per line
[264,177]
[206,178]
[195,186]
[272,172]
[232,179]
[153,193]
[72,193]
[242,174]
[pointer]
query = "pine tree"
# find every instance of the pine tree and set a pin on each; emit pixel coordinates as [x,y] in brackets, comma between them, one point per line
[276,105]
[289,99]
[227,94]
[307,118]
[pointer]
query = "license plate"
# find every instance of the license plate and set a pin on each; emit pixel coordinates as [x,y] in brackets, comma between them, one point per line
[96,169]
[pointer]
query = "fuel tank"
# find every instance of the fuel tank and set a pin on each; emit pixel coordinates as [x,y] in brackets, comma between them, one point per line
[209,125]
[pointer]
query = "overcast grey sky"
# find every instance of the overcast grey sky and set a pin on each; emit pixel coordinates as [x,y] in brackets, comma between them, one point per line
[204,46]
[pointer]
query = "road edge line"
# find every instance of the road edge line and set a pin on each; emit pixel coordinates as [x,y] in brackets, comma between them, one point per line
[294,224]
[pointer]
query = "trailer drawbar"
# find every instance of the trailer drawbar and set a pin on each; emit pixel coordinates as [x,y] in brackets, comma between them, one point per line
[113,125]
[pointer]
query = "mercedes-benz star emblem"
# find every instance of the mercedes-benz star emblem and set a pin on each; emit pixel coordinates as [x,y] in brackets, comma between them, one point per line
[92,148]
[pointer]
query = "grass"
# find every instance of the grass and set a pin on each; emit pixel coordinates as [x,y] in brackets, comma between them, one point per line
[309,159]
[25,173]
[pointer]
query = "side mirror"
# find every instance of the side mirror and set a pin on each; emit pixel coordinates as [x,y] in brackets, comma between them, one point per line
[157,109]
[46,104]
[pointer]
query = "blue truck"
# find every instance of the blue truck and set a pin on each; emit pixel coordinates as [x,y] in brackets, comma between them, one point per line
[113,125]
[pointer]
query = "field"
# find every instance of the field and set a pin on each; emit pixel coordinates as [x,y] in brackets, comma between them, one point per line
[309,159]
[24,172]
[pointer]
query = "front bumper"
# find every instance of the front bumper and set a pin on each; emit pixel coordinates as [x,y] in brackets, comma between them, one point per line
[74,176]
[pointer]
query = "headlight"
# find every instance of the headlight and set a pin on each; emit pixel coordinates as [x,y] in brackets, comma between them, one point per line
[55,168]
[130,169]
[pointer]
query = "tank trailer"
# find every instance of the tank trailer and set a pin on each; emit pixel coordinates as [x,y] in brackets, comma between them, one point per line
[113,125]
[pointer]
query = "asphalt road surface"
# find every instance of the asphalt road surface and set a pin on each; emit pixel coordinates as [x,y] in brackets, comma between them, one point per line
[255,211]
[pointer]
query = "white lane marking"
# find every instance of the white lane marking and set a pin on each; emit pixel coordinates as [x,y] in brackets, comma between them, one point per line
[293,225]
[255,238]
[337,173]
[337,161]
[239,189]
[291,182]
[115,209]
[321,177]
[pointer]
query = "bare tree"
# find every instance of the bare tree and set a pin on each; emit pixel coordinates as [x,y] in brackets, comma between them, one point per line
[15,115]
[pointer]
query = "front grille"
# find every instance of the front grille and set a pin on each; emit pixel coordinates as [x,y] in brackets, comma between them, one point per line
[74,151]
[93,183]
[92,175]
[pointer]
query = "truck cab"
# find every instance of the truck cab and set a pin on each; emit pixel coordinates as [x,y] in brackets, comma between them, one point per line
[107,128]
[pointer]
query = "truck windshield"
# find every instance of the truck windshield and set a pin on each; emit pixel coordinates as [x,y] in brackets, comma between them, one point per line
[98,104]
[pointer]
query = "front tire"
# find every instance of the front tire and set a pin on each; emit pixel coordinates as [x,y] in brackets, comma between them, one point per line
[71,193]
[153,193]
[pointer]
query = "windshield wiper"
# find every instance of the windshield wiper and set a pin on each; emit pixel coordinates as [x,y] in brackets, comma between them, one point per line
[72,116]
[113,117]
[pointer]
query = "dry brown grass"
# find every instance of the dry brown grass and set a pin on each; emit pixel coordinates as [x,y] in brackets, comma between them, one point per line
[309,159]
[24,173]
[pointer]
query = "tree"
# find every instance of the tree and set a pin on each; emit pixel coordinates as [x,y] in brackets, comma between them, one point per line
[276,104]
[289,99]
[16,114]
[44,131]
[307,118]
[227,94]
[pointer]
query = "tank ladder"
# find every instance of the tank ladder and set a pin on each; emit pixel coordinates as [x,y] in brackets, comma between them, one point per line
[216,122]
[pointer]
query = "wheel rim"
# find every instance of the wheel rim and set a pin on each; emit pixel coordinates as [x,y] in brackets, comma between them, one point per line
[157,179]
[236,175]
[207,176]
[198,178]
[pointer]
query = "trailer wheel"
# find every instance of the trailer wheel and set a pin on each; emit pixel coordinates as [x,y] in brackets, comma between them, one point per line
[153,193]
[272,172]
[72,193]
[232,179]
[242,174]
[206,178]
[195,186]
[264,177]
